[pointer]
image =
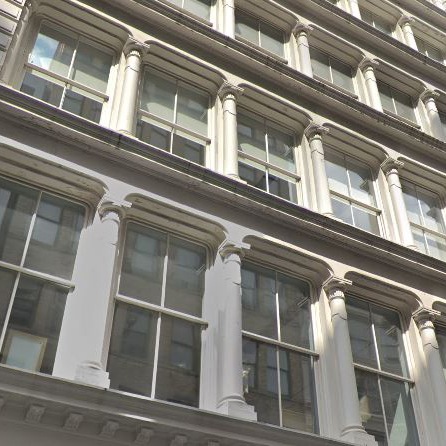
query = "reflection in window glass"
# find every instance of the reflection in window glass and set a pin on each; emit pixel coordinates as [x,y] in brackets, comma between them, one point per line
[396,101]
[200,8]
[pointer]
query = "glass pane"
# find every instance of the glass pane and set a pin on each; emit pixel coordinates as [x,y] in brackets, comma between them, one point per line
[53,51]
[436,246]
[201,8]
[360,330]
[272,39]
[17,206]
[336,173]
[259,300]
[91,67]
[430,207]
[253,173]
[342,74]
[247,27]
[389,340]
[370,406]
[7,279]
[158,96]
[132,349]
[251,137]
[404,105]
[360,182]
[38,86]
[385,94]
[179,361]
[320,64]
[262,391]
[441,339]
[420,242]
[183,146]
[296,383]
[281,149]
[294,311]
[78,102]
[186,268]
[411,202]
[282,186]
[367,16]
[55,236]
[342,210]
[366,220]
[154,135]
[192,110]
[143,264]
[34,325]
[399,415]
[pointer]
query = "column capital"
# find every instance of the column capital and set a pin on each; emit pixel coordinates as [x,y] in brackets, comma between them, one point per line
[424,317]
[335,287]
[367,62]
[389,165]
[300,27]
[313,130]
[229,89]
[405,19]
[109,204]
[133,46]
[428,94]
[229,247]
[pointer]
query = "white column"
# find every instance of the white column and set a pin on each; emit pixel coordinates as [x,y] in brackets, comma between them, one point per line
[230,380]
[367,66]
[80,354]
[229,18]
[428,97]
[352,429]
[424,318]
[439,4]
[130,88]
[409,37]
[229,95]
[314,136]
[390,168]
[354,8]
[301,33]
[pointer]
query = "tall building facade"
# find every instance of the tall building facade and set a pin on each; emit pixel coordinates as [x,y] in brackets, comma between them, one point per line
[222,222]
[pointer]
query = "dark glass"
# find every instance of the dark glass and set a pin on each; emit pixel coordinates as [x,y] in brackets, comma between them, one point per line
[7,279]
[253,176]
[188,149]
[153,135]
[42,89]
[82,106]
[281,187]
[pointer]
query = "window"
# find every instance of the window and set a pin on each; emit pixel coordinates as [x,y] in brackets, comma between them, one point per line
[201,8]
[39,235]
[267,156]
[173,116]
[441,339]
[396,102]
[429,50]
[352,192]
[381,373]
[424,212]
[68,71]
[260,33]
[331,69]
[443,123]
[376,21]
[155,347]
[278,354]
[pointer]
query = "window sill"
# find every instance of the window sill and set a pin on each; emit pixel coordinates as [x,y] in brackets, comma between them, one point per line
[337,87]
[405,120]
[261,49]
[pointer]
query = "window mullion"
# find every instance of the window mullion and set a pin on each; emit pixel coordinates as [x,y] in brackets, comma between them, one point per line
[383,407]
[279,389]
[375,343]
[30,230]
[175,110]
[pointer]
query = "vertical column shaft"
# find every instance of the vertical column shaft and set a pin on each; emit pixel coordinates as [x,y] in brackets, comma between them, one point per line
[428,97]
[301,33]
[405,24]
[229,18]
[354,8]
[367,66]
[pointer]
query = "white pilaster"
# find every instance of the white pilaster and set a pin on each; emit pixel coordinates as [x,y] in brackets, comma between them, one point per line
[352,429]
[425,321]
[390,168]
[314,135]
[405,24]
[80,349]
[229,95]
[428,97]
[130,87]
[354,8]
[367,66]
[229,18]
[301,33]
[230,380]
[440,4]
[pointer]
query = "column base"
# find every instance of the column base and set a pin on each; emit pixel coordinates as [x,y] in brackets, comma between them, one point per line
[238,409]
[92,373]
[358,437]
